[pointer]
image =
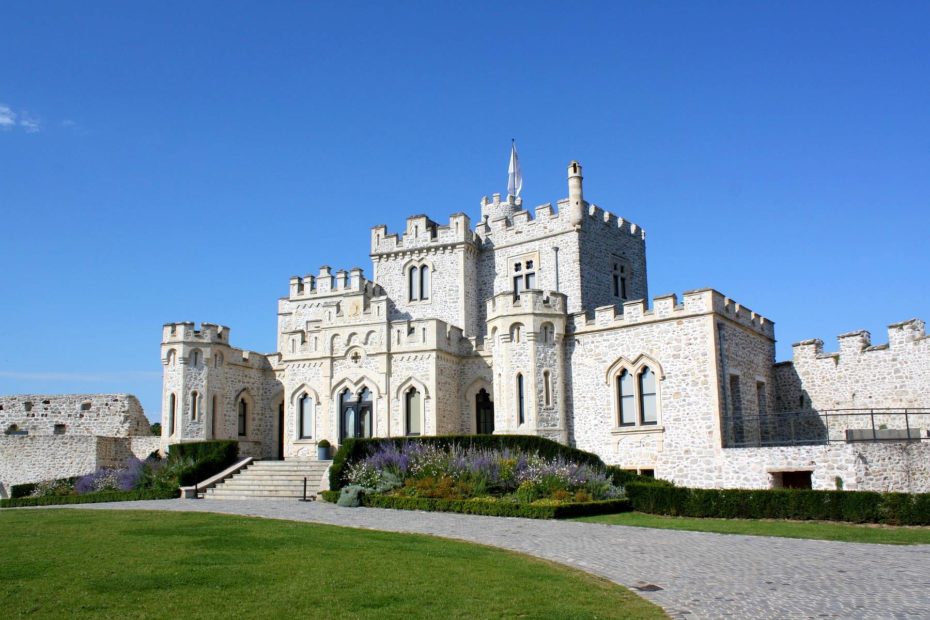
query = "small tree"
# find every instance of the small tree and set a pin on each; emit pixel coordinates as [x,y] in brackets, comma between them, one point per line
[156,429]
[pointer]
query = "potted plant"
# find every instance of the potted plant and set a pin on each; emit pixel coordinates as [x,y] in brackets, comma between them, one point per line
[322,450]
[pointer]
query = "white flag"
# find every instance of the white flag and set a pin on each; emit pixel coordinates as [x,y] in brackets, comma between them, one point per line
[514,176]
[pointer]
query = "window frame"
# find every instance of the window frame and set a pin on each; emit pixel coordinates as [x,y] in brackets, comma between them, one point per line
[408,395]
[635,371]
[303,415]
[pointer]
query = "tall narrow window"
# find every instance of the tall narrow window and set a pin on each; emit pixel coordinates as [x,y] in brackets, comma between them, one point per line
[215,413]
[760,398]
[626,399]
[195,358]
[521,413]
[647,396]
[243,416]
[172,408]
[414,408]
[424,282]
[305,412]
[413,283]
[193,405]
[547,389]
[619,274]
[515,332]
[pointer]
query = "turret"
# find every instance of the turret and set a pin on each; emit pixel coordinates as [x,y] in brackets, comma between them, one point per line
[575,196]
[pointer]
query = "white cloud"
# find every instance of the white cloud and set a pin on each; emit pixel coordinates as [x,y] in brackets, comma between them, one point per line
[7,117]
[30,123]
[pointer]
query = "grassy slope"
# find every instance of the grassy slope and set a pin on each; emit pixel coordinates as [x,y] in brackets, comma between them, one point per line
[789,529]
[149,564]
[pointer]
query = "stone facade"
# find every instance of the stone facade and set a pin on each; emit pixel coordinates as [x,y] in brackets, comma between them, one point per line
[59,436]
[539,323]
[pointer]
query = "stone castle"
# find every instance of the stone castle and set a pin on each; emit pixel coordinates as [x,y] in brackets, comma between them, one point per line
[538,323]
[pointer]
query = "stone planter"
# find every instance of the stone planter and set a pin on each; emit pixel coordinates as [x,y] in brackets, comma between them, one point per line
[322,453]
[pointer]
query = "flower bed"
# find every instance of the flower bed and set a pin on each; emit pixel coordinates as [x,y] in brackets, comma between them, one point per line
[479,480]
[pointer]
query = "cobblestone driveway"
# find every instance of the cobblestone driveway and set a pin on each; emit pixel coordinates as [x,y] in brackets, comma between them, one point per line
[702,575]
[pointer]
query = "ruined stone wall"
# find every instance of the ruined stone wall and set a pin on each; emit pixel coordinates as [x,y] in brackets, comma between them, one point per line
[25,459]
[110,415]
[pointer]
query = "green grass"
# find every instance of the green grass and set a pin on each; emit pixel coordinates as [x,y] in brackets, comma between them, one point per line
[819,530]
[129,564]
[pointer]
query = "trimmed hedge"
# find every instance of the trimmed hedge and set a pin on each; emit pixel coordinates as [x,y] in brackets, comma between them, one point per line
[329,496]
[90,498]
[353,450]
[623,477]
[210,458]
[800,504]
[25,490]
[497,509]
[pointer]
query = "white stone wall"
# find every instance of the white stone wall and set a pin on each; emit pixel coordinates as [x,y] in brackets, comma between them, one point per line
[859,375]
[112,415]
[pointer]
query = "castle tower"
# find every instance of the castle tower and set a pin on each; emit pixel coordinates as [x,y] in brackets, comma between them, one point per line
[495,208]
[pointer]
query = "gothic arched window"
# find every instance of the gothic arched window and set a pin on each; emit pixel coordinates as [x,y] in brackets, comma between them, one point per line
[625,397]
[305,415]
[243,415]
[521,411]
[647,397]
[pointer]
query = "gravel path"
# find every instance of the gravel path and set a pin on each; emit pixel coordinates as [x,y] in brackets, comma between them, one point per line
[701,575]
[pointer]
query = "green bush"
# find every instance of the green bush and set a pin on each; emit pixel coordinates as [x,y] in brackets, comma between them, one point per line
[329,496]
[353,450]
[90,498]
[61,486]
[497,508]
[206,459]
[799,504]
[622,477]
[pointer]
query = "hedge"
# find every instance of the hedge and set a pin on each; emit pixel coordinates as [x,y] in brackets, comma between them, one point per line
[497,509]
[800,504]
[90,498]
[25,490]
[353,450]
[329,496]
[209,457]
[623,477]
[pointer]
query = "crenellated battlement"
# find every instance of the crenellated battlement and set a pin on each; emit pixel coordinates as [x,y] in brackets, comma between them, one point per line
[531,301]
[900,335]
[422,233]
[665,307]
[326,283]
[188,332]
[608,219]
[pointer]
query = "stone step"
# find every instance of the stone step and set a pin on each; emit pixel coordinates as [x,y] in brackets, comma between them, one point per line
[313,475]
[218,493]
[268,484]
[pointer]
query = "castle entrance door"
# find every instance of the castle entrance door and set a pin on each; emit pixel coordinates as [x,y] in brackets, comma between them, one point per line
[484,413]
[356,414]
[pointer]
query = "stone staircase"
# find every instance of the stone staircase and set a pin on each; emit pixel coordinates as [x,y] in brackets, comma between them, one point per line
[271,480]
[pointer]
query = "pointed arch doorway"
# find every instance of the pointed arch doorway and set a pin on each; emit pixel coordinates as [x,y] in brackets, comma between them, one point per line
[355,414]
[484,413]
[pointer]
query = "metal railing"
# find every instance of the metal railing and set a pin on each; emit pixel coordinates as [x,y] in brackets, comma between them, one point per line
[813,427]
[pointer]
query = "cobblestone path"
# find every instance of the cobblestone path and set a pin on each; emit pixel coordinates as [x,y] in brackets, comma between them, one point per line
[701,575]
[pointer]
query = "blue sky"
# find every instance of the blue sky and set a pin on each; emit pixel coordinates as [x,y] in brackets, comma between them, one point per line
[180,161]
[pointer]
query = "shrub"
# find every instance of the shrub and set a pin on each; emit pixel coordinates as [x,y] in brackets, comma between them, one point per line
[91,498]
[351,496]
[354,450]
[330,496]
[802,504]
[497,508]
[204,459]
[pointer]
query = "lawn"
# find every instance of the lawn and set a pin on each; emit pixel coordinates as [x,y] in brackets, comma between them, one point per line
[819,530]
[133,564]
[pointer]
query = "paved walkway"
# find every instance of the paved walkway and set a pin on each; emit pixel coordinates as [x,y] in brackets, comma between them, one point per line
[702,575]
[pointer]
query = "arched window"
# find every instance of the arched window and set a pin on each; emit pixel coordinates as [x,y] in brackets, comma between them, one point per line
[356,414]
[647,397]
[547,389]
[547,333]
[413,283]
[195,358]
[414,412]
[484,413]
[424,282]
[193,405]
[305,413]
[172,409]
[172,357]
[243,416]
[521,412]
[625,397]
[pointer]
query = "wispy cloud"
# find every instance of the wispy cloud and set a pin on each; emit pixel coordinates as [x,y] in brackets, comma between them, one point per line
[89,377]
[29,122]
[7,117]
